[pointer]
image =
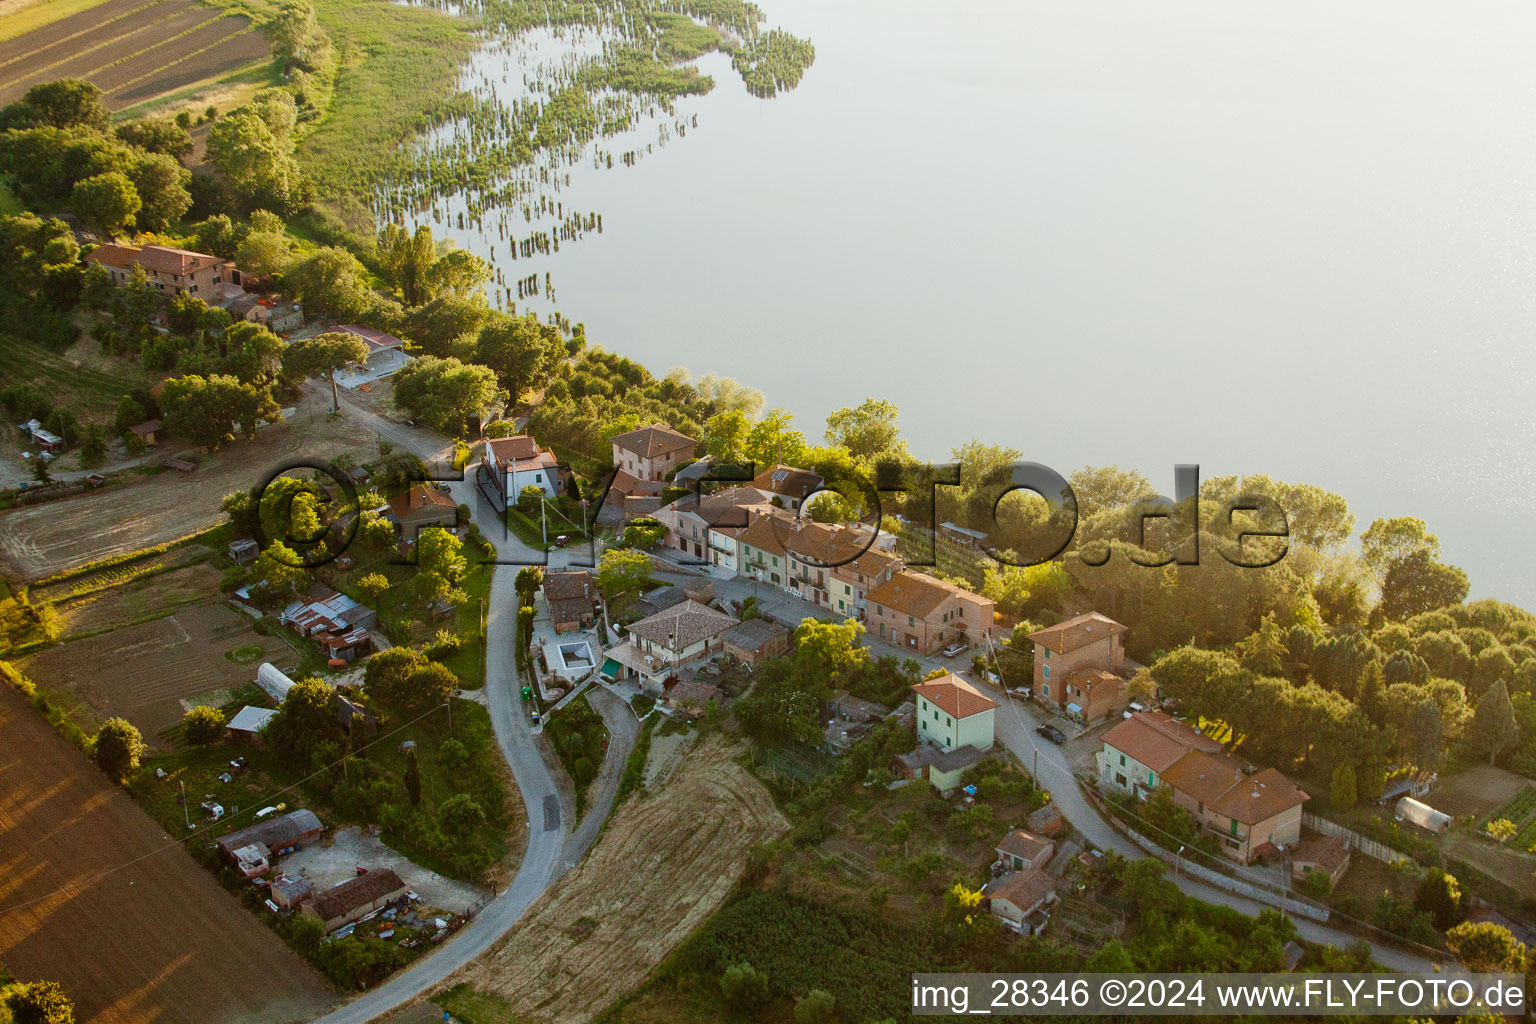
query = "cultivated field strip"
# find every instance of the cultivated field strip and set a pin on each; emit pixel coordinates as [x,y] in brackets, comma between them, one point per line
[132,50]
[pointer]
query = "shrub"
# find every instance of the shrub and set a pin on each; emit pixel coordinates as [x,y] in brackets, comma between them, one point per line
[203,725]
[117,749]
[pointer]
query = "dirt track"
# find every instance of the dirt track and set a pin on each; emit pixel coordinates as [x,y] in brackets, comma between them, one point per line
[38,540]
[158,942]
[662,867]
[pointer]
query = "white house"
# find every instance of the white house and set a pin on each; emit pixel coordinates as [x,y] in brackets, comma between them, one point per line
[951,713]
[516,463]
[1139,749]
[659,644]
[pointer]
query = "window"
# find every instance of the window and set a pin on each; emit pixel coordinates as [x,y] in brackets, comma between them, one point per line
[911,621]
[1047,671]
[1045,690]
[1152,781]
[1233,823]
[1122,760]
[1047,651]
[935,714]
[948,720]
[775,565]
[1119,779]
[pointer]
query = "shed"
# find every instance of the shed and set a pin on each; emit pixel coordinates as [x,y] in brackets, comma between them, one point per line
[243,550]
[1422,815]
[273,681]
[279,835]
[288,892]
[248,722]
[756,639]
[147,431]
[356,898]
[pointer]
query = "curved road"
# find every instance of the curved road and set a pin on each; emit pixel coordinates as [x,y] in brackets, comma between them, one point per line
[552,848]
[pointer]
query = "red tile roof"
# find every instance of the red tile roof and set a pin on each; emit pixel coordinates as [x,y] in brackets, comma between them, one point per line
[1019,843]
[159,258]
[420,498]
[1259,798]
[1156,740]
[1078,632]
[650,441]
[954,696]
[1026,889]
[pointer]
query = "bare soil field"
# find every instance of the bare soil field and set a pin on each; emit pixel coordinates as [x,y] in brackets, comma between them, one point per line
[662,867]
[1476,791]
[147,673]
[43,539]
[156,941]
[120,607]
[132,49]
[1504,861]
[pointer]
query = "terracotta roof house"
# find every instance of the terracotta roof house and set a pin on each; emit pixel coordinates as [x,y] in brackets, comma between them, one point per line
[918,611]
[651,452]
[755,640]
[707,526]
[570,596]
[760,548]
[789,485]
[421,507]
[1019,900]
[356,898]
[515,463]
[1327,854]
[660,643]
[1019,850]
[169,270]
[1137,750]
[952,713]
[1086,642]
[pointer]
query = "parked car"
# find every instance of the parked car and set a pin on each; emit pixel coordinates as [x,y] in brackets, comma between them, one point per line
[954,649]
[1051,733]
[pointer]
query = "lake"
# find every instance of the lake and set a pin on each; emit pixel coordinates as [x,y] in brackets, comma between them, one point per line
[1294,240]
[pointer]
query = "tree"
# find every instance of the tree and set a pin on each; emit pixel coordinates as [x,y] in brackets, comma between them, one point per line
[117,749]
[203,725]
[156,135]
[276,573]
[331,282]
[304,720]
[429,685]
[441,554]
[404,259]
[870,429]
[265,252]
[1342,791]
[107,202]
[385,674]
[412,777]
[161,183]
[745,987]
[372,586]
[644,533]
[1425,738]
[322,356]
[458,273]
[1439,895]
[445,393]
[1388,541]
[297,39]
[460,815]
[93,447]
[622,570]
[1493,723]
[206,410]
[251,148]
[1418,583]
[64,103]
[815,1007]
[448,325]
[39,1002]
[521,350]
[1486,948]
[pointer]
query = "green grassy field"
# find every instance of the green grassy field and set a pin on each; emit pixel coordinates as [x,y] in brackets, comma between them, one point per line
[92,394]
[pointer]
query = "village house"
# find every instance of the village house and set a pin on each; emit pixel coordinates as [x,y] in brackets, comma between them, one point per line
[652,452]
[1253,815]
[515,463]
[1079,666]
[849,720]
[1019,850]
[1046,821]
[1138,750]
[289,892]
[169,270]
[788,486]
[951,713]
[918,611]
[660,644]
[760,551]
[419,508]
[1020,900]
[942,768]
[276,315]
[570,596]
[356,898]
[834,567]
[707,526]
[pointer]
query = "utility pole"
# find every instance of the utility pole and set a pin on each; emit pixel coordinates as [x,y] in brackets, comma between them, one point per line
[544,520]
[185,814]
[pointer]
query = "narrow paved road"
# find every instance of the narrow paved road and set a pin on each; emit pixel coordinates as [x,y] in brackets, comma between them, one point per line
[552,845]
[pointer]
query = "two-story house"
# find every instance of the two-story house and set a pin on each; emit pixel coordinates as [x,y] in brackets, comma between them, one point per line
[918,611]
[169,270]
[674,637]
[420,507]
[760,548]
[707,526]
[651,453]
[1137,750]
[951,713]
[1079,666]
[516,463]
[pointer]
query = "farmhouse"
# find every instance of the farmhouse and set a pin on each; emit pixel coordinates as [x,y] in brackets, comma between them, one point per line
[651,452]
[276,836]
[1020,900]
[288,893]
[517,463]
[356,898]
[952,713]
[1079,665]
[915,610]
[170,270]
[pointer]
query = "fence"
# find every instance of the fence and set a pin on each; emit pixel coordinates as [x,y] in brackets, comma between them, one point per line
[1370,847]
[1289,904]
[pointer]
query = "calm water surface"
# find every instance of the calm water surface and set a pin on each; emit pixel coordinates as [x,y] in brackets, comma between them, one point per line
[1288,239]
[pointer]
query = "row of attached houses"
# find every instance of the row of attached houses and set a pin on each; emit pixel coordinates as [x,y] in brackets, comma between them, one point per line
[1253,814]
